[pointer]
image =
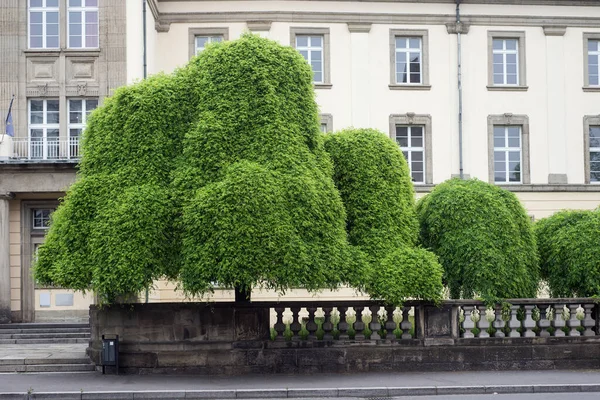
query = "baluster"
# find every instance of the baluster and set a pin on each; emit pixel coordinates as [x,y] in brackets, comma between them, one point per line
[295,326]
[343,325]
[375,325]
[327,325]
[359,325]
[484,324]
[573,322]
[468,323]
[545,321]
[588,321]
[499,321]
[390,324]
[405,324]
[529,323]
[279,325]
[559,322]
[514,324]
[311,325]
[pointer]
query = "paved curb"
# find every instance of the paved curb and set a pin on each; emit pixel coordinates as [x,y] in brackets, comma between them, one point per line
[301,393]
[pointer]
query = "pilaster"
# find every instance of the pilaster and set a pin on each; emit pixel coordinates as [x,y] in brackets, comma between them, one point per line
[359,45]
[4,259]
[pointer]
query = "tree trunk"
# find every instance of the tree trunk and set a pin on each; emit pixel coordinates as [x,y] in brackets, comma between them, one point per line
[242,295]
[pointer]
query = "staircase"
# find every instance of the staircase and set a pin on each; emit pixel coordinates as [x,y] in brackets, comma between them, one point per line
[44,347]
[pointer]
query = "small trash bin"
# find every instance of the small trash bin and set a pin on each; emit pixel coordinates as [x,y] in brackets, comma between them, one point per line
[110,353]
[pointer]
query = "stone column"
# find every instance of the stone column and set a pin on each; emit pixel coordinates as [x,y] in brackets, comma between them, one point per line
[4,259]
[556,113]
[359,41]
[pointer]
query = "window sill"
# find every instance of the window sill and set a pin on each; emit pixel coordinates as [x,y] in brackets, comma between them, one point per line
[396,86]
[591,88]
[55,52]
[322,85]
[507,88]
[423,187]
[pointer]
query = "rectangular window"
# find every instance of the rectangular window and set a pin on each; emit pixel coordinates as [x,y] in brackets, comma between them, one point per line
[409,57]
[43,129]
[311,48]
[41,218]
[200,42]
[43,24]
[505,61]
[593,62]
[594,154]
[507,154]
[83,24]
[79,110]
[412,143]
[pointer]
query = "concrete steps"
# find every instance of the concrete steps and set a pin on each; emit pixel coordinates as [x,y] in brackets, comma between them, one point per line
[50,333]
[44,347]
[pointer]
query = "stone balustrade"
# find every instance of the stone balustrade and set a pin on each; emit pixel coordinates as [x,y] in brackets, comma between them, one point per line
[346,336]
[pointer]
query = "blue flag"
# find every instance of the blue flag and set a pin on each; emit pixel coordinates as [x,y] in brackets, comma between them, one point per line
[10,129]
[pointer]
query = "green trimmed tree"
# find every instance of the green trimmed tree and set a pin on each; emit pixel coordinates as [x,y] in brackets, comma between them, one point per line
[569,249]
[375,184]
[215,173]
[483,238]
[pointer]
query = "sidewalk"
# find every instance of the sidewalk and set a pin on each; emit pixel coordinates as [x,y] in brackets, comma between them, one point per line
[381,384]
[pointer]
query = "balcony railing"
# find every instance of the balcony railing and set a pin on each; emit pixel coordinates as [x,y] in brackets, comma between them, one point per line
[42,149]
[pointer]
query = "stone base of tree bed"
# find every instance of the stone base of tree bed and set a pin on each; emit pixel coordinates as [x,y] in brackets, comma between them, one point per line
[234,339]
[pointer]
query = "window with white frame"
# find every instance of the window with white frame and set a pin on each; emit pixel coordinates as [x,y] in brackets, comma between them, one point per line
[593,62]
[409,58]
[311,48]
[200,42]
[505,54]
[507,154]
[78,110]
[41,218]
[44,129]
[83,24]
[594,146]
[43,24]
[411,140]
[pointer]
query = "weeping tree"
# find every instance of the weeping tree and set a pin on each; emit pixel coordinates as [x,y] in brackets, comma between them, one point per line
[215,173]
[569,250]
[375,184]
[483,238]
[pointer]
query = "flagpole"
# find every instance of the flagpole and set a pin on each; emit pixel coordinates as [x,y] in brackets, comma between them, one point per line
[6,119]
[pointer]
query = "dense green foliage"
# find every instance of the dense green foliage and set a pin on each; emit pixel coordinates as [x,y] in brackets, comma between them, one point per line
[374,181]
[407,273]
[215,173]
[569,249]
[483,238]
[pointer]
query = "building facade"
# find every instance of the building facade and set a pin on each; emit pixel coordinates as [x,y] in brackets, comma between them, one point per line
[526,115]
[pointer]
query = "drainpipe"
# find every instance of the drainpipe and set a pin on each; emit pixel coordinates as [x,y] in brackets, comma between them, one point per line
[145,71]
[144,28]
[460,102]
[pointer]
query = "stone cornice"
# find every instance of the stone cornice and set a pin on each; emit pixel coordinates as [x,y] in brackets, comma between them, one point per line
[571,3]
[165,19]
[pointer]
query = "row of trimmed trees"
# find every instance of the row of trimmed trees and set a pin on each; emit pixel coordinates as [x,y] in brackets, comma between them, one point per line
[218,173]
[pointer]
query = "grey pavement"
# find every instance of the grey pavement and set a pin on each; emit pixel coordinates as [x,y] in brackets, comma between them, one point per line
[381,384]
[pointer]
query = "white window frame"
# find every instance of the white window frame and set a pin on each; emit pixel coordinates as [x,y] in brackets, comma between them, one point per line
[75,141]
[325,82]
[407,51]
[84,9]
[596,54]
[310,48]
[33,219]
[504,52]
[410,149]
[44,126]
[506,149]
[211,39]
[593,150]
[44,10]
